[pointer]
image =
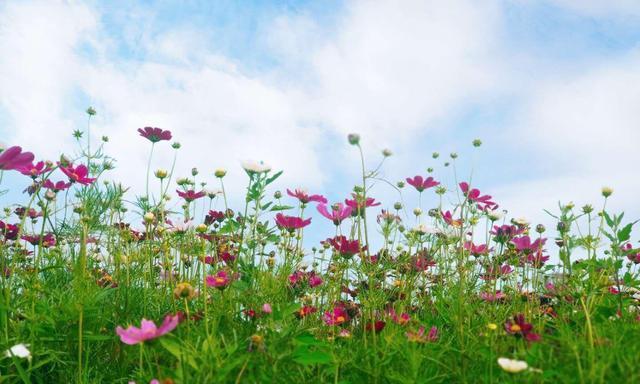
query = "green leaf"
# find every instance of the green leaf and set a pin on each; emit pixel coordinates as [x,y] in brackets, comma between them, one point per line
[281,208]
[608,219]
[273,178]
[312,357]
[625,233]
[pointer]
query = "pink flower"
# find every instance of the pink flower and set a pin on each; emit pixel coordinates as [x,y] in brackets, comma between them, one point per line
[13,158]
[505,232]
[58,186]
[524,244]
[78,174]
[34,170]
[220,280]
[490,297]
[448,218]
[483,201]
[336,316]
[291,222]
[190,195]
[476,250]
[357,204]
[401,319]
[338,212]
[266,308]
[314,280]
[154,134]
[304,198]
[147,330]
[421,184]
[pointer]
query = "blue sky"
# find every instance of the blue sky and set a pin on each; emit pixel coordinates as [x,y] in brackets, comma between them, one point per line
[547,85]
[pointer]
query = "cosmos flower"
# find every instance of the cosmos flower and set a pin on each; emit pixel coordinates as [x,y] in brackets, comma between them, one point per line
[338,213]
[336,316]
[523,244]
[34,170]
[291,222]
[448,218]
[252,167]
[519,327]
[491,297]
[57,186]
[357,204]
[154,135]
[420,184]
[483,201]
[304,197]
[77,174]
[220,280]
[345,247]
[147,331]
[190,195]
[13,158]
[476,250]
[421,337]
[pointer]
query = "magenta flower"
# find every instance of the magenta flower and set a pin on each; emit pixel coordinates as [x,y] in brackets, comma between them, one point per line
[314,280]
[214,216]
[220,280]
[154,134]
[336,316]
[523,244]
[448,218]
[421,184]
[10,231]
[491,297]
[357,204]
[483,201]
[13,158]
[338,212]
[147,330]
[505,233]
[345,247]
[47,240]
[291,222]
[420,337]
[304,198]
[34,170]
[191,195]
[78,174]
[401,319]
[56,187]
[476,250]
[493,273]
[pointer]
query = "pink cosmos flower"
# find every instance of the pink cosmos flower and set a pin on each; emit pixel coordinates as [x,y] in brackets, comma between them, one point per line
[291,222]
[357,204]
[56,187]
[493,273]
[338,212]
[336,316]
[420,337]
[78,174]
[505,232]
[304,198]
[401,319]
[490,297]
[13,158]
[220,280]
[476,250]
[314,280]
[190,195]
[483,201]
[34,170]
[345,247]
[147,330]
[266,308]
[524,244]
[448,218]
[421,184]
[154,134]
[519,327]
[10,231]
[48,240]
[214,216]
[376,326]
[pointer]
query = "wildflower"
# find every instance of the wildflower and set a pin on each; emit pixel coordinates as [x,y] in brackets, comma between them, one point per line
[448,218]
[214,216]
[492,326]
[252,167]
[346,248]
[505,233]
[220,173]
[521,222]
[149,217]
[523,244]
[491,297]
[154,134]
[57,186]
[184,291]
[13,158]
[421,184]
[314,280]
[476,250]
[161,173]
[266,308]
[291,223]
[401,319]
[34,170]
[190,195]
[420,337]
[493,215]
[512,366]
[344,333]
[519,327]
[483,201]
[336,316]
[147,331]
[376,326]
[338,212]
[305,311]
[77,174]
[304,197]
[357,204]
[607,191]
[220,280]
[19,350]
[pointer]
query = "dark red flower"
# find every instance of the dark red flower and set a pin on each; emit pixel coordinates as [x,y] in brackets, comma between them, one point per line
[376,326]
[345,247]
[214,216]
[10,231]
[190,195]
[519,327]
[78,174]
[420,184]
[154,134]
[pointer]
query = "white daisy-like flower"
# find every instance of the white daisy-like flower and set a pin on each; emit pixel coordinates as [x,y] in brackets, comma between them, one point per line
[256,167]
[521,221]
[513,366]
[494,215]
[426,229]
[19,350]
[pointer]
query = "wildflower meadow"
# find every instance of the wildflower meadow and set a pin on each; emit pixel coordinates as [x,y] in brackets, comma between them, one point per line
[175,285]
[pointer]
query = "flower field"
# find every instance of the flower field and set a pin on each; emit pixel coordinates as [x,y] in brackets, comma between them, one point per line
[175,285]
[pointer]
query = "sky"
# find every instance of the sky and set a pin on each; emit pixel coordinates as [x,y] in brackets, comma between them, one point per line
[550,87]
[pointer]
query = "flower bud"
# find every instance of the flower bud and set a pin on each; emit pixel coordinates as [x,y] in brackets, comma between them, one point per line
[105,139]
[277,195]
[220,173]
[201,228]
[386,152]
[587,208]
[161,173]
[476,143]
[435,155]
[194,171]
[176,145]
[607,191]
[149,217]
[417,211]
[91,111]
[540,228]
[354,138]
[397,206]
[454,155]
[400,184]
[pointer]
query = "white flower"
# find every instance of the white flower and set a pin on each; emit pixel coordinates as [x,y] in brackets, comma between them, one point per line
[521,221]
[256,167]
[19,350]
[494,215]
[513,366]
[424,229]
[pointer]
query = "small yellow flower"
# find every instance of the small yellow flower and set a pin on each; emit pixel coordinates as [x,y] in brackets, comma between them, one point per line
[492,326]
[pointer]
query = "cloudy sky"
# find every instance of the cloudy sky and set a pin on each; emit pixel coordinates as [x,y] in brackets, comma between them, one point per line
[551,87]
